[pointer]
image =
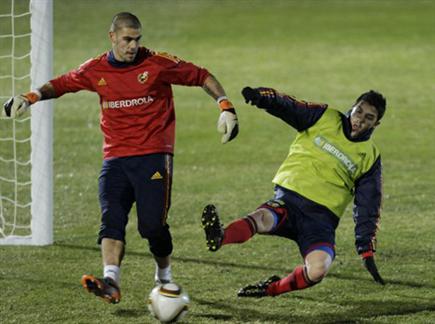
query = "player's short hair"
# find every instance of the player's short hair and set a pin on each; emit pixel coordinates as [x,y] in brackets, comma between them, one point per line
[124,19]
[375,99]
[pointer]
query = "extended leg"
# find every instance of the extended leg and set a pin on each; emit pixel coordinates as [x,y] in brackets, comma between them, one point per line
[239,231]
[317,264]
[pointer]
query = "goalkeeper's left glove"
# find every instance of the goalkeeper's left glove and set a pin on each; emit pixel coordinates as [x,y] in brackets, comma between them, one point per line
[227,123]
[370,265]
[19,105]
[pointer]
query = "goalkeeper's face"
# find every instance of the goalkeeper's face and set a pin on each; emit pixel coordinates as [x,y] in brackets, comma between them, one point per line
[362,118]
[125,43]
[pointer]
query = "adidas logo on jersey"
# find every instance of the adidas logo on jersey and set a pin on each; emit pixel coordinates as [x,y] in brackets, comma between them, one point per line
[156,176]
[102,82]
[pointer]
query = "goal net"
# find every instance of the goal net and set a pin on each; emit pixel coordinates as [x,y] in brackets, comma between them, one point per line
[26,143]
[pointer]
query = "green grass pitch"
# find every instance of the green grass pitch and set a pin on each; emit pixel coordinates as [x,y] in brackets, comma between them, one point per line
[327,51]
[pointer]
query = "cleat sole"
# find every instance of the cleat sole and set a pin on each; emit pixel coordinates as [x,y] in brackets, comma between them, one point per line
[212,227]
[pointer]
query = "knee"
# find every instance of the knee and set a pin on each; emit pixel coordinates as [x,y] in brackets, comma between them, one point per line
[111,232]
[263,219]
[317,271]
[317,264]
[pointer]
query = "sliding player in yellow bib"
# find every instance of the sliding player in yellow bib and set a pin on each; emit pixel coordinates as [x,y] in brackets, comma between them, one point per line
[331,161]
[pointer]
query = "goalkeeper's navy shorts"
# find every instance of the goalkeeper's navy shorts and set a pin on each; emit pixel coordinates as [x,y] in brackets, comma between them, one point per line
[311,225]
[145,180]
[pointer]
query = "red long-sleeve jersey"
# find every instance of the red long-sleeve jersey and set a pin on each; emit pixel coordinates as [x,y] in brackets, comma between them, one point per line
[137,108]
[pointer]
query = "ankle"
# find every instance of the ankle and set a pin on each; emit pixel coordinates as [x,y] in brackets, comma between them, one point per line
[113,272]
[163,274]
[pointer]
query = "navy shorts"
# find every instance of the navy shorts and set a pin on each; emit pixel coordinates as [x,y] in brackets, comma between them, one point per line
[307,223]
[146,180]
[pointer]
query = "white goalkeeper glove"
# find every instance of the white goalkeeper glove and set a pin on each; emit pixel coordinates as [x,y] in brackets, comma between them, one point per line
[227,124]
[19,105]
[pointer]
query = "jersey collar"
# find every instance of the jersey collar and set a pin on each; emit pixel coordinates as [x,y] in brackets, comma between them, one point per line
[141,55]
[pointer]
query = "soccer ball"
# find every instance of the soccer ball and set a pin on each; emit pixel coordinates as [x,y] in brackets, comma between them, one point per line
[168,302]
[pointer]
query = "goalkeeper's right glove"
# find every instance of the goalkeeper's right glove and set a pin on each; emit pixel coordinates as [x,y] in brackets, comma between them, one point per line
[18,105]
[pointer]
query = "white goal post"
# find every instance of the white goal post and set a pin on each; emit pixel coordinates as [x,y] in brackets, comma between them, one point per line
[40,206]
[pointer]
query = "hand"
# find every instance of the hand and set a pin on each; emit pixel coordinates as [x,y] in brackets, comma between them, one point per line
[260,97]
[228,125]
[251,95]
[18,105]
[370,265]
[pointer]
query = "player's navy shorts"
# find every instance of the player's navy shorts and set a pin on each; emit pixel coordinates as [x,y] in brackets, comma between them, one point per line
[311,225]
[145,180]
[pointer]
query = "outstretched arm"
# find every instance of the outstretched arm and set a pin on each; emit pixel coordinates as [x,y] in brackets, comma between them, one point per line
[72,81]
[227,124]
[297,113]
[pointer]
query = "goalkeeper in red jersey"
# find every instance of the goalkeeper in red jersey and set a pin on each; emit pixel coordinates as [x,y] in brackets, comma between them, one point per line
[138,125]
[331,161]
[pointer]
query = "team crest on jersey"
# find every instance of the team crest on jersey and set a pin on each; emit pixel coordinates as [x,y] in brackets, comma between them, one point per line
[142,77]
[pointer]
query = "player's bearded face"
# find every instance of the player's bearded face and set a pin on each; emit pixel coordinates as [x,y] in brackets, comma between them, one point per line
[363,117]
[125,43]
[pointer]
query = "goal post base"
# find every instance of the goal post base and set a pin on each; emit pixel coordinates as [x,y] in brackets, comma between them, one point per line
[16,240]
[24,240]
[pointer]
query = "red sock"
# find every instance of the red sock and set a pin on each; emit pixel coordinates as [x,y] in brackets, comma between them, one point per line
[239,231]
[297,280]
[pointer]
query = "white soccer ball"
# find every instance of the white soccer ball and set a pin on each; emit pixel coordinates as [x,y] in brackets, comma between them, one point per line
[168,302]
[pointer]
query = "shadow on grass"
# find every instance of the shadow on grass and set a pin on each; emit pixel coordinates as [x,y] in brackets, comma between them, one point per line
[359,311]
[407,283]
[175,258]
[248,266]
[130,313]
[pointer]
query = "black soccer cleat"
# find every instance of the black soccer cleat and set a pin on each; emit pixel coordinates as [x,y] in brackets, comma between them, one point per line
[105,288]
[257,290]
[214,232]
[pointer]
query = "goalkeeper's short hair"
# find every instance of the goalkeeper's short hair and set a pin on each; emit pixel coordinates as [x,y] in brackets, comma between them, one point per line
[125,19]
